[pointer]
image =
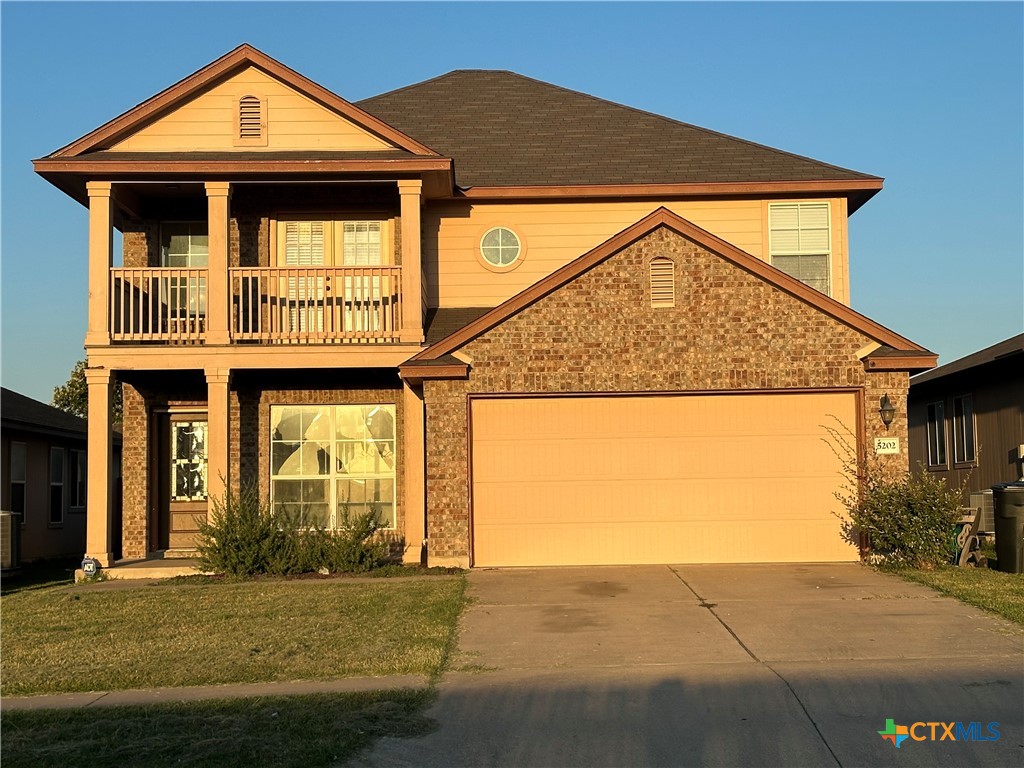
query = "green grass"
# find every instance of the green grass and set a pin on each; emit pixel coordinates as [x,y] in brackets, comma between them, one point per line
[1000,593]
[113,636]
[305,731]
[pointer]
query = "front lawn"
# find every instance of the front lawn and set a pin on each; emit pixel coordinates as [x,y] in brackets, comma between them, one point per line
[1000,593]
[307,731]
[64,639]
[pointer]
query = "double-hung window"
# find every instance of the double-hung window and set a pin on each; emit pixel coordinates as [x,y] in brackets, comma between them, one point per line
[56,485]
[936,435]
[963,430]
[18,475]
[329,462]
[800,242]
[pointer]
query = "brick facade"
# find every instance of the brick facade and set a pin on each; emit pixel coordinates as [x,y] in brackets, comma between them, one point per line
[251,397]
[729,330]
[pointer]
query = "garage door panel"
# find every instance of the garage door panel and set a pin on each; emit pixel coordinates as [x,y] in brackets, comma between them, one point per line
[703,478]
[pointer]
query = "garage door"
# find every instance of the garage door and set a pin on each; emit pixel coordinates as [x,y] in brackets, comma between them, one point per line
[659,479]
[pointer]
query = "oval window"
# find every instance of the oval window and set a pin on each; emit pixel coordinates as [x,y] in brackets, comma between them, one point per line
[500,247]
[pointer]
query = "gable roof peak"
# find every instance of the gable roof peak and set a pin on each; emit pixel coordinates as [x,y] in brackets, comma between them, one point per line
[227,65]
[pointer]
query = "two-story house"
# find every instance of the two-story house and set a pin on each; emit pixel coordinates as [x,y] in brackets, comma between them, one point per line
[527,325]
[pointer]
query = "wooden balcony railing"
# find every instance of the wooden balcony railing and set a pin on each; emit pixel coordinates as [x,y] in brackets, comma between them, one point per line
[158,304]
[316,304]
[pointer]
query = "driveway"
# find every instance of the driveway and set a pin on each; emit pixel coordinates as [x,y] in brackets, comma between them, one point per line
[795,665]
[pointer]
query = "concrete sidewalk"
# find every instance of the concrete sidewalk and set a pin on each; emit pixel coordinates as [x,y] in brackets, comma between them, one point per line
[206,692]
[717,666]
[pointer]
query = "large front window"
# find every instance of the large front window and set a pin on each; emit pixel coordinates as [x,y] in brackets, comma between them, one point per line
[329,462]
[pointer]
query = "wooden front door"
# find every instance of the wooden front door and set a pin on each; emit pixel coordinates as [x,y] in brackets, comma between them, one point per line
[181,472]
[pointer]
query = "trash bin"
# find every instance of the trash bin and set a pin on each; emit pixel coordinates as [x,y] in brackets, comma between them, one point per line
[1008,511]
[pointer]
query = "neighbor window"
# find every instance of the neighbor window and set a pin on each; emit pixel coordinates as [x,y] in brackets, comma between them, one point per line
[17,475]
[800,241]
[936,435]
[500,247]
[963,430]
[329,461]
[77,468]
[56,486]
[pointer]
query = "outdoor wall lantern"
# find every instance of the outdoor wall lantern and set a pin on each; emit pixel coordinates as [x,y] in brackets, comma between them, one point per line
[886,410]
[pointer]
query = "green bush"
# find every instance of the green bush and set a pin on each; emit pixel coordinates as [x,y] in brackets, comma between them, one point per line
[245,537]
[908,519]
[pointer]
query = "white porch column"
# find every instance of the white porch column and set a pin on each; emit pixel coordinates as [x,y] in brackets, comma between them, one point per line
[218,454]
[413,472]
[218,196]
[410,191]
[99,510]
[100,254]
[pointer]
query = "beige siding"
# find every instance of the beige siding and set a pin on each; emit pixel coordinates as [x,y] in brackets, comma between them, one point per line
[555,233]
[208,122]
[664,479]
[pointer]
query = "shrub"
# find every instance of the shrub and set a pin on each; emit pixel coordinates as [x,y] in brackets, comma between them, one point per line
[245,537]
[908,519]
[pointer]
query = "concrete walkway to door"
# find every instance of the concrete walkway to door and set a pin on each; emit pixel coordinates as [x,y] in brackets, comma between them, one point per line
[755,665]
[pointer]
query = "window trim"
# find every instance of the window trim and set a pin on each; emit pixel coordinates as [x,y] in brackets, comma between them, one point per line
[959,440]
[829,255]
[50,521]
[23,482]
[943,463]
[482,232]
[333,476]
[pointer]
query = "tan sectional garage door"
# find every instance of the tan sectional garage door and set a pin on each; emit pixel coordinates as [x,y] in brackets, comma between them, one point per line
[660,479]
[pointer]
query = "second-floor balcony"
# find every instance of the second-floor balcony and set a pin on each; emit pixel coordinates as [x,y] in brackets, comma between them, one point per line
[269,305]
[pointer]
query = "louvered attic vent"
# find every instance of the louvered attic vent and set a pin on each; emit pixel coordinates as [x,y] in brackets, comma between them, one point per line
[250,118]
[663,282]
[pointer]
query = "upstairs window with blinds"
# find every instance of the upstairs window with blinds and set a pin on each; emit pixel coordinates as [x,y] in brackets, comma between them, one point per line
[361,243]
[800,241]
[663,282]
[303,243]
[252,124]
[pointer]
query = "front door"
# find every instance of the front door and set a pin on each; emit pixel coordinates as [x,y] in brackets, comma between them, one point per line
[181,472]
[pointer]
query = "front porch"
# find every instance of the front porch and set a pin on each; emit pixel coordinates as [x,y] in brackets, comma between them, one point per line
[155,567]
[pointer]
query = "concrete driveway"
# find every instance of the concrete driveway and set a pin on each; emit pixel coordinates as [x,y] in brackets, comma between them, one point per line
[756,665]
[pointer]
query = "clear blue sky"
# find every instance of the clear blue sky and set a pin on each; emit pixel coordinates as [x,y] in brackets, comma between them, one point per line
[928,95]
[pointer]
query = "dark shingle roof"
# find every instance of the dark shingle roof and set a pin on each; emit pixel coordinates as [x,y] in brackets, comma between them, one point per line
[504,129]
[1000,351]
[18,411]
[443,322]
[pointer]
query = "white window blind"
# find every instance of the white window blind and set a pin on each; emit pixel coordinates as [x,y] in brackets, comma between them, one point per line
[304,243]
[800,241]
[361,244]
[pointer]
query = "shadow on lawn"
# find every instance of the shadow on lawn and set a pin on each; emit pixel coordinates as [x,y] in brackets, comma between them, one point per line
[41,574]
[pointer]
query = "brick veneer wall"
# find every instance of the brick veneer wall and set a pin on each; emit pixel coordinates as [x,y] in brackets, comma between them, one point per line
[729,330]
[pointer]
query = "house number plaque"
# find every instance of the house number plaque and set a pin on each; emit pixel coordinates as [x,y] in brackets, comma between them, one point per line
[887,445]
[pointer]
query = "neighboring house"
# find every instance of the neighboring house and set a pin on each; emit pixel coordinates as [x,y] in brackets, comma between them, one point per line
[43,454]
[967,418]
[526,325]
